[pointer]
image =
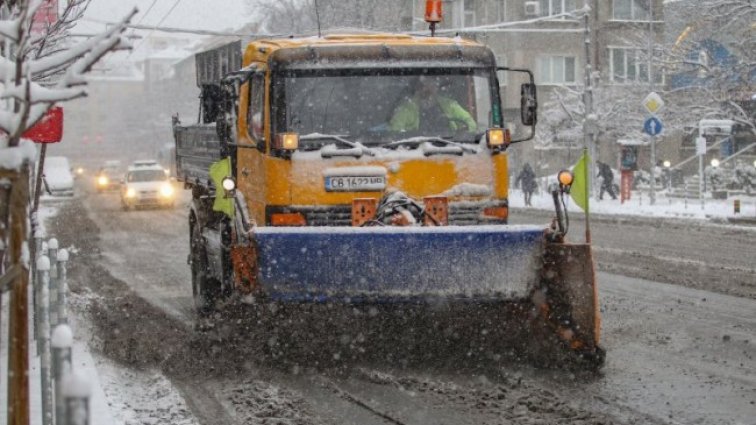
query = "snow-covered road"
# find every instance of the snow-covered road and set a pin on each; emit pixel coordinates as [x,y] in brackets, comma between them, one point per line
[674,354]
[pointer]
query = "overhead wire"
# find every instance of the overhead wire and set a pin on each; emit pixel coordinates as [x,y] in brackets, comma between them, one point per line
[176,3]
[146,12]
[144,15]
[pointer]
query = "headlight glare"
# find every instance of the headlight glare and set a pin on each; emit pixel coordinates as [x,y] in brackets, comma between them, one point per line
[166,190]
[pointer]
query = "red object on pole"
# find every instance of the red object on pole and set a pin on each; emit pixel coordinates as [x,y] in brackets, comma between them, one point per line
[49,129]
[433,11]
[626,183]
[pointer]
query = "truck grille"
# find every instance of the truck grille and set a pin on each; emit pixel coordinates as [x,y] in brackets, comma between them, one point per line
[460,214]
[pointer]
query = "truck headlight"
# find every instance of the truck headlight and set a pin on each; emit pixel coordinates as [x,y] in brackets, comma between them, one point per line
[166,190]
[130,192]
[102,181]
[228,184]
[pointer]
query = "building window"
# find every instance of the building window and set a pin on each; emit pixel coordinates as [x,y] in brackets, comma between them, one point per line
[501,10]
[556,70]
[631,10]
[468,8]
[630,65]
[556,7]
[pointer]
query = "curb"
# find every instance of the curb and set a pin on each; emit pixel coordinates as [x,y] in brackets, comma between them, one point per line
[748,221]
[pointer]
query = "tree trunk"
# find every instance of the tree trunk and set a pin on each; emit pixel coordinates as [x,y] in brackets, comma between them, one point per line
[15,220]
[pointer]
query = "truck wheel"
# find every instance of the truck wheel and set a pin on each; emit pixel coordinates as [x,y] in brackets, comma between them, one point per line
[204,289]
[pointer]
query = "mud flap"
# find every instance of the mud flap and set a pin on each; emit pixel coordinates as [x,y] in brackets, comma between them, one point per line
[395,264]
[567,300]
[245,268]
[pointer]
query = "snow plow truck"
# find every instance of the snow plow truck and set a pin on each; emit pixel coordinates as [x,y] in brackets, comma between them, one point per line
[372,169]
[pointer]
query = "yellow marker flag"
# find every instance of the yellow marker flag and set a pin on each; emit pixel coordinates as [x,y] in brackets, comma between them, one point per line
[579,189]
[219,170]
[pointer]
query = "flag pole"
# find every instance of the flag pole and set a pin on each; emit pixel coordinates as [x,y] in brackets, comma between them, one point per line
[587,198]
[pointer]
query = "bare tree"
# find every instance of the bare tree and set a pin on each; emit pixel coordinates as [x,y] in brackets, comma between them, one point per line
[616,108]
[55,36]
[711,63]
[27,60]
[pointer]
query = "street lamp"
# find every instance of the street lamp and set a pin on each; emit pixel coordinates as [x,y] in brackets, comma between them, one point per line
[715,163]
[668,174]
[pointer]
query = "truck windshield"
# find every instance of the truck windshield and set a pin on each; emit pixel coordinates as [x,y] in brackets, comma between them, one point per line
[377,107]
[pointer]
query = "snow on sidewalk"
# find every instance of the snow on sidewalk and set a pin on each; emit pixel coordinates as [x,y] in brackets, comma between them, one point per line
[639,205]
[120,396]
[140,397]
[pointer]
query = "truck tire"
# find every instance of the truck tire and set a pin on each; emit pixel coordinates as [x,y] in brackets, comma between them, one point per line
[205,289]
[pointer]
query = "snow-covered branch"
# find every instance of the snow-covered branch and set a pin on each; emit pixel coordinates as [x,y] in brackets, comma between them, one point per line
[23,101]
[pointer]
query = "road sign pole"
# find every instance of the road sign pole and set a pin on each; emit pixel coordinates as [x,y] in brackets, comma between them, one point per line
[701,179]
[652,192]
[652,183]
[701,152]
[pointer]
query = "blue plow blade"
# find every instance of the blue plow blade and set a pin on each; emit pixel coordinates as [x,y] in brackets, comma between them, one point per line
[398,264]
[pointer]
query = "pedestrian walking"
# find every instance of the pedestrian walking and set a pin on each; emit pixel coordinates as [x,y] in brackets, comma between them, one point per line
[527,183]
[607,180]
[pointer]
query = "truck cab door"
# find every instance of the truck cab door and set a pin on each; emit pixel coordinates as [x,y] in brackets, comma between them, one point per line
[253,144]
[256,110]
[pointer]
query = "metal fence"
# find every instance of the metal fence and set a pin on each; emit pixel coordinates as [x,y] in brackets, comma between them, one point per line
[65,392]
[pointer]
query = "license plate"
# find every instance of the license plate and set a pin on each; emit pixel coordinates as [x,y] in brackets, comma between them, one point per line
[355,183]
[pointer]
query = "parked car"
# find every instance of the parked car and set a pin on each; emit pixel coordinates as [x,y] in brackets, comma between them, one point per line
[108,177]
[58,179]
[147,185]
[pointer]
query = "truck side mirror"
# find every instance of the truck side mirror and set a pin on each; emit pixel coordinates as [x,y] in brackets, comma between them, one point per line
[528,104]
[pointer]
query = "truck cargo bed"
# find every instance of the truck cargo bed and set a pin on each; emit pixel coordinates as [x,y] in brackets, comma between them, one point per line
[197,147]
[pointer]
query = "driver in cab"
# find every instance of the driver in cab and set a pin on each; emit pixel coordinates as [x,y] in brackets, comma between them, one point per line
[426,110]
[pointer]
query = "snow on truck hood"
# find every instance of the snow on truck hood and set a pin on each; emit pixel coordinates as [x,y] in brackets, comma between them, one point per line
[367,171]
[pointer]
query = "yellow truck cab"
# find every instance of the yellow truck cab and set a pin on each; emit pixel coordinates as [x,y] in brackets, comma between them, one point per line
[317,122]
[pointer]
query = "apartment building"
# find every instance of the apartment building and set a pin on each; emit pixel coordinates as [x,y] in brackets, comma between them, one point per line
[542,36]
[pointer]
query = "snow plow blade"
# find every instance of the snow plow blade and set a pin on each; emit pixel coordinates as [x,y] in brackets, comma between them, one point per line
[539,294]
[394,264]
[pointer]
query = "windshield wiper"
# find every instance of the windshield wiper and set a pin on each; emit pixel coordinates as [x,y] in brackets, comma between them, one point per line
[431,139]
[357,149]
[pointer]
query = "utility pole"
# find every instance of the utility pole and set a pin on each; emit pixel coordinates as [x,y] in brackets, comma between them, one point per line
[589,123]
[652,184]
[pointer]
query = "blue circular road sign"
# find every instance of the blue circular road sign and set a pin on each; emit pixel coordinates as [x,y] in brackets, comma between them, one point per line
[652,126]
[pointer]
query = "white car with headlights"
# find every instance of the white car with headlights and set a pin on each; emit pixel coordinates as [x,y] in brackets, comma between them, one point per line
[147,185]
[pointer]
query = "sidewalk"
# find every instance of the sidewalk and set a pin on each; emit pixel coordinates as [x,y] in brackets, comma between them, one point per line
[720,210]
[120,395]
